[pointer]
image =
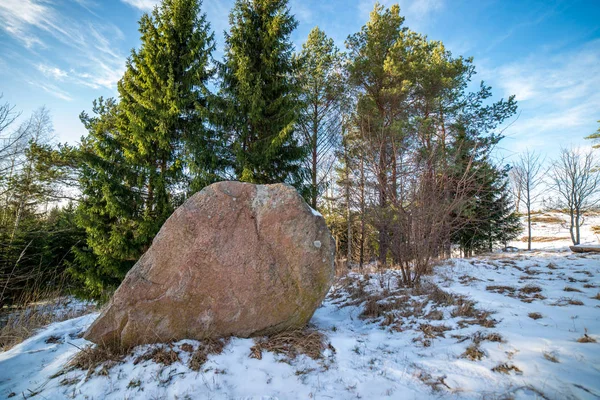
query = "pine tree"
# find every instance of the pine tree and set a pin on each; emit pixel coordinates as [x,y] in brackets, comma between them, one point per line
[595,137]
[260,105]
[322,84]
[379,94]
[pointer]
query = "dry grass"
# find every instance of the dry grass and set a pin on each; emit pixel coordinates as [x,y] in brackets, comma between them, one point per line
[435,383]
[567,301]
[22,323]
[206,348]
[160,354]
[549,219]
[500,289]
[586,339]
[535,315]
[529,289]
[188,348]
[375,307]
[506,368]
[309,342]
[543,239]
[495,337]
[552,357]
[433,331]
[437,315]
[466,308]
[91,357]
[571,289]
[596,229]
[596,297]
[473,353]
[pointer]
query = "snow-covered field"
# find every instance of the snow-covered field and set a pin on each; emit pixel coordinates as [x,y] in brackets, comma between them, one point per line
[548,233]
[500,326]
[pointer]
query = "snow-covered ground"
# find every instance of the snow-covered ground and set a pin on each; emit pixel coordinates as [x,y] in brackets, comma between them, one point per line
[500,326]
[548,233]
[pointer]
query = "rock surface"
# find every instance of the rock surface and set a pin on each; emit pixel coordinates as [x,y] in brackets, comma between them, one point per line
[235,259]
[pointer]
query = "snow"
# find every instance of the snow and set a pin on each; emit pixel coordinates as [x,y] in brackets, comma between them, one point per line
[558,231]
[315,212]
[373,359]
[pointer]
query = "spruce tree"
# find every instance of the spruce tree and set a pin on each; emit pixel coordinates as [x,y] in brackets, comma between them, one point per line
[260,105]
[145,153]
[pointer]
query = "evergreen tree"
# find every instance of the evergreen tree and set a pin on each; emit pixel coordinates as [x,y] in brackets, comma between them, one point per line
[111,205]
[595,137]
[322,84]
[144,154]
[488,216]
[260,105]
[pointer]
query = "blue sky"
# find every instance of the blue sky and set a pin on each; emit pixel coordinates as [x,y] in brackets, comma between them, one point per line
[65,53]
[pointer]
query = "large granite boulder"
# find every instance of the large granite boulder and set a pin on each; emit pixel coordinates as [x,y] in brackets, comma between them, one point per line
[235,259]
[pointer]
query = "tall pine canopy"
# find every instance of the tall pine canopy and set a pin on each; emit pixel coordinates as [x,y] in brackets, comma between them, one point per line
[145,153]
[260,94]
[323,89]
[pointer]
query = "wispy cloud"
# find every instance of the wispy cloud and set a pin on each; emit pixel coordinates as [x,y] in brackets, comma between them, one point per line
[144,5]
[52,72]
[557,93]
[19,16]
[52,89]
[91,56]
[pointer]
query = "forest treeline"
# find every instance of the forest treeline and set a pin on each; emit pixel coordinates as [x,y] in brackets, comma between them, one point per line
[387,138]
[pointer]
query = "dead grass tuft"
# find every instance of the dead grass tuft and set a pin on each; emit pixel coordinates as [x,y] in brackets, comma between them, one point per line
[464,308]
[479,337]
[571,289]
[535,315]
[435,315]
[500,289]
[596,297]
[434,331]
[435,383]
[207,347]
[473,353]
[529,289]
[552,357]
[307,341]
[437,295]
[506,368]
[90,357]
[188,348]
[566,301]
[164,355]
[586,339]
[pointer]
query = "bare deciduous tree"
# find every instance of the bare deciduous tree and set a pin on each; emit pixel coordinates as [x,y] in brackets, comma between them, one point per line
[576,181]
[526,175]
